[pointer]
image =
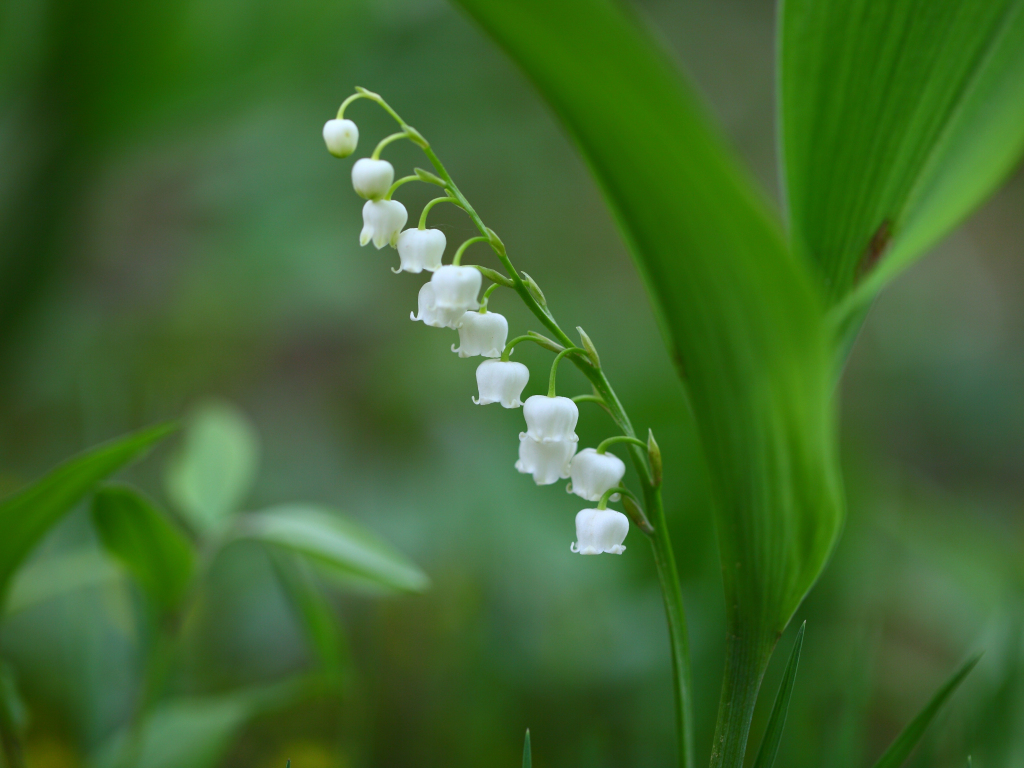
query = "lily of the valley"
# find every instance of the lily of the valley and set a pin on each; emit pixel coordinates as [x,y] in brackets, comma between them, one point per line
[456,289]
[382,221]
[593,473]
[372,178]
[547,462]
[482,333]
[550,418]
[501,381]
[599,531]
[430,314]
[421,249]
[341,137]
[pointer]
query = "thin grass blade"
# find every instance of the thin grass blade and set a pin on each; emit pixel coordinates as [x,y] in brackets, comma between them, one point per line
[777,720]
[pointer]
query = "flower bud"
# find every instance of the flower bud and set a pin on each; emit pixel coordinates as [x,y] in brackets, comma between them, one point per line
[482,333]
[382,221]
[600,530]
[551,418]
[547,462]
[456,288]
[372,178]
[341,137]
[594,473]
[420,249]
[431,314]
[501,381]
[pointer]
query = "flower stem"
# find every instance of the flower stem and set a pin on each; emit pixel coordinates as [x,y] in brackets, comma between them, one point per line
[487,294]
[431,204]
[397,184]
[606,444]
[511,345]
[346,102]
[682,678]
[465,245]
[387,140]
[554,368]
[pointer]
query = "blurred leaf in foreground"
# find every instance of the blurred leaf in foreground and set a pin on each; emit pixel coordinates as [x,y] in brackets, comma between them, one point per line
[153,550]
[27,516]
[335,543]
[213,472]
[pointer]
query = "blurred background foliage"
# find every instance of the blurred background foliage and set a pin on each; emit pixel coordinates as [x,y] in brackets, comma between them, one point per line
[172,230]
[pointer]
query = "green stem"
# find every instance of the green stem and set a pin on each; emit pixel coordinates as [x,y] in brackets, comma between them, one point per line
[590,399]
[606,496]
[387,140]
[554,368]
[682,678]
[487,294]
[511,345]
[465,245]
[397,184]
[431,204]
[346,102]
[606,444]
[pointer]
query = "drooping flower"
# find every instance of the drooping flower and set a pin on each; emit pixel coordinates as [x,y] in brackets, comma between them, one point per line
[456,288]
[431,314]
[551,418]
[420,249]
[501,381]
[372,178]
[600,530]
[594,473]
[382,221]
[341,137]
[482,333]
[547,462]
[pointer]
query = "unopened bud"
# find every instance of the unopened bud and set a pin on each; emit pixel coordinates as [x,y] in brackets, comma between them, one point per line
[654,455]
[534,289]
[588,345]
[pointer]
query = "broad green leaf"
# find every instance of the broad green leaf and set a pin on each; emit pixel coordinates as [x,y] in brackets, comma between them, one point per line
[739,313]
[527,752]
[900,749]
[334,542]
[27,516]
[195,731]
[898,118]
[149,545]
[46,578]
[777,720]
[211,475]
[315,615]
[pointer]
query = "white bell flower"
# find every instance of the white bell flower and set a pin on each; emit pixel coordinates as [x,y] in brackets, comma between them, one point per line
[600,530]
[482,333]
[551,418]
[431,314]
[372,178]
[547,462]
[501,381]
[341,137]
[382,221]
[456,288]
[420,249]
[594,473]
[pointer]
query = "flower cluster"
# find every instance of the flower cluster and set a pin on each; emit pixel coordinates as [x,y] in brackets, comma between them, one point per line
[451,299]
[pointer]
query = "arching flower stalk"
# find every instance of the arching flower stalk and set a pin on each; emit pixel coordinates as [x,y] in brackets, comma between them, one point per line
[547,449]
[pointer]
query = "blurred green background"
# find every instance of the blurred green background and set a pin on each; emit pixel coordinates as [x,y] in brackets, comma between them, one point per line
[174,230]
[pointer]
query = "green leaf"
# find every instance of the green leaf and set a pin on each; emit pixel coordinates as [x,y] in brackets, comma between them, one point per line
[214,471]
[315,615]
[149,545]
[333,542]
[46,578]
[777,720]
[527,752]
[195,731]
[740,314]
[900,749]
[897,118]
[28,515]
